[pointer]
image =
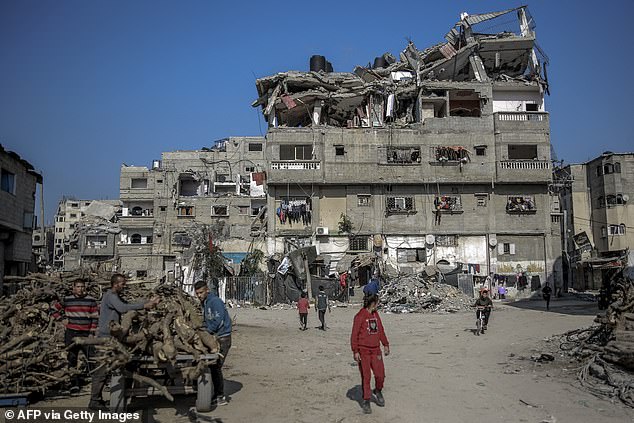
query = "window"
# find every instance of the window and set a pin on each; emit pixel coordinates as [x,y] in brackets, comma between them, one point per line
[27,222]
[522,151]
[186,211]
[249,169]
[506,248]
[521,204]
[136,211]
[616,230]
[363,200]
[86,204]
[162,208]
[181,239]
[257,206]
[447,240]
[296,152]
[72,215]
[555,218]
[599,170]
[159,181]
[135,239]
[532,107]
[243,209]
[148,239]
[138,183]
[448,203]
[400,204]
[359,243]
[608,168]
[410,255]
[219,211]
[456,154]
[481,199]
[96,241]
[617,167]
[255,146]
[403,155]
[74,205]
[188,186]
[141,273]
[480,150]
[339,150]
[7,181]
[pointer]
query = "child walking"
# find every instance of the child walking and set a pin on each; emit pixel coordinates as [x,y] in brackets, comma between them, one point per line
[366,339]
[302,306]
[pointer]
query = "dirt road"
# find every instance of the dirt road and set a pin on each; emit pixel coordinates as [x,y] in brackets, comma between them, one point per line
[439,371]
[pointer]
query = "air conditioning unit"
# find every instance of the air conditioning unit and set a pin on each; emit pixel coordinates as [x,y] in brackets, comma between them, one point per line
[322,230]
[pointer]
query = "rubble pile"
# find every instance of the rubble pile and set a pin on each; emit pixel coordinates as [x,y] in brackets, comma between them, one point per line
[415,294]
[607,349]
[33,356]
[391,90]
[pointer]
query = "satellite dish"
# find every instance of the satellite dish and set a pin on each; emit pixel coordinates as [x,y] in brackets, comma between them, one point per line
[626,198]
[493,241]
[430,239]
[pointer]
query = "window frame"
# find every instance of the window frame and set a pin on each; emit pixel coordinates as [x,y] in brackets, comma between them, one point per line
[11,181]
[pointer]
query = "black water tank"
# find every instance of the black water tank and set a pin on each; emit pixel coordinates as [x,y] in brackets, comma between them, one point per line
[379,62]
[317,63]
[329,67]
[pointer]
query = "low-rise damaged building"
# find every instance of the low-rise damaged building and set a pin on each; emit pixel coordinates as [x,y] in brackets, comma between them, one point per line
[596,198]
[18,184]
[441,157]
[167,207]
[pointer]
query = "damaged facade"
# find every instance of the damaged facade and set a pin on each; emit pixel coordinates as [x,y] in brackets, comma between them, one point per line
[597,202]
[165,207]
[441,157]
[18,183]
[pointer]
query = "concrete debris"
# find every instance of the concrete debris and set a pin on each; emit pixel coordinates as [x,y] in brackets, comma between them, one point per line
[393,91]
[415,294]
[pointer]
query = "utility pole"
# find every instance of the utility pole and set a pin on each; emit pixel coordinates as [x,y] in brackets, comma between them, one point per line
[309,281]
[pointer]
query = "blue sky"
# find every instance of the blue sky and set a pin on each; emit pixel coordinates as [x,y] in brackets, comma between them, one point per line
[88,85]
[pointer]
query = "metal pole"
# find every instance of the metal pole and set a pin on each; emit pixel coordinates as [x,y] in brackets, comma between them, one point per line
[565,251]
[309,281]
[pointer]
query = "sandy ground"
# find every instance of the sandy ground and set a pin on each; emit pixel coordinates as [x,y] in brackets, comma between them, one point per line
[439,371]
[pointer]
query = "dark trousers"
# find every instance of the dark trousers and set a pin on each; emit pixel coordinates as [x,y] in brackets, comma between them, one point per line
[487,313]
[73,352]
[98,382]
[547,299]
[303,319]
[216,369]
[322,318]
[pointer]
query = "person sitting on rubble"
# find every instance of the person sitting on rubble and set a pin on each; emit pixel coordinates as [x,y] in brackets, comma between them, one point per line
[366,339]
[484,305]
[372,287]
[217,321]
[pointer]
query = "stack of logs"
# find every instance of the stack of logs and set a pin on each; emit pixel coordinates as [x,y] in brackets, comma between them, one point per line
[607,350]
[32,353]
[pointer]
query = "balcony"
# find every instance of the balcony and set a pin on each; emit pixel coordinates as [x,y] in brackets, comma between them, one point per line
[296,165]
[448,204]
[300,171]
[521,121]
[524,164]
[528,171]
[521,204]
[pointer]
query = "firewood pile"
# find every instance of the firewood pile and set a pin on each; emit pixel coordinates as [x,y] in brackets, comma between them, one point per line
[606,351]
[32,352]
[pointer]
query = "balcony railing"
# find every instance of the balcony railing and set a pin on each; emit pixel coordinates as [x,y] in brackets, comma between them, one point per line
[522,116]
[525,164]
[296,165]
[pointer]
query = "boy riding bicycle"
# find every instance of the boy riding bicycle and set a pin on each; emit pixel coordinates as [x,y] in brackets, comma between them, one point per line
[484,305]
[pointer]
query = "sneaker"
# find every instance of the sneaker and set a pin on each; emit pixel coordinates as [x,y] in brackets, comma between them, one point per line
[380,401]
[484,328]
[74,390]
[220,400]
[365,406]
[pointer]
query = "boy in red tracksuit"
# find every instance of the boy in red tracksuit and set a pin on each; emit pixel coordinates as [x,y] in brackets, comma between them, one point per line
[366,339]
[303,305]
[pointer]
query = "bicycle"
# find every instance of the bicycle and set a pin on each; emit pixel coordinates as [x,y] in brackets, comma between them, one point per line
[480,320]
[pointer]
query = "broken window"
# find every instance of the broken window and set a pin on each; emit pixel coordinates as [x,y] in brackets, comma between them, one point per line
[608,169]
[190,186]
[521,204]
[185,211]
[339,150]
[448,203]
[411,255]
[522,151]
[403,155]
[181,239]
[96,241]
[464,103]
[481,150]
[141,273]
[616,229]
[243,209]
[136,211]
[532,107]
[296,152]
[433,104]
[399,204]
[257,206]
[219,211]
[138,183]
[135,239]
[481,199]
[451,154]
[162,208]
[363,200]
[7,181]
[359,243]
[255,146]
[447,240]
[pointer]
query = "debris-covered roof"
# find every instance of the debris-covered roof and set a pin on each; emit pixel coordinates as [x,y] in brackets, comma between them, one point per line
[472,52]
[28,166]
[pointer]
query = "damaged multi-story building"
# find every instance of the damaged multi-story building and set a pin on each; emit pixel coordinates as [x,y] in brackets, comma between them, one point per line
[166,207]
[85,233]
[596,199]
[439,157]
[18,185]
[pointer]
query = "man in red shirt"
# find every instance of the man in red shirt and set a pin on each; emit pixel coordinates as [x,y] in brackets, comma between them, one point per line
[366,339]
[302,306]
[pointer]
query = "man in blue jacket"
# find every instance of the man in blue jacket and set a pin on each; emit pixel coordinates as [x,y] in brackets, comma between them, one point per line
[372,287]
[217,322]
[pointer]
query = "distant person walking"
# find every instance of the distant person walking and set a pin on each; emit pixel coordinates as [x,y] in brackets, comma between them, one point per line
[546,292]
[367,336]
[302,306]
[372,287]
[321,304]
[502,292]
